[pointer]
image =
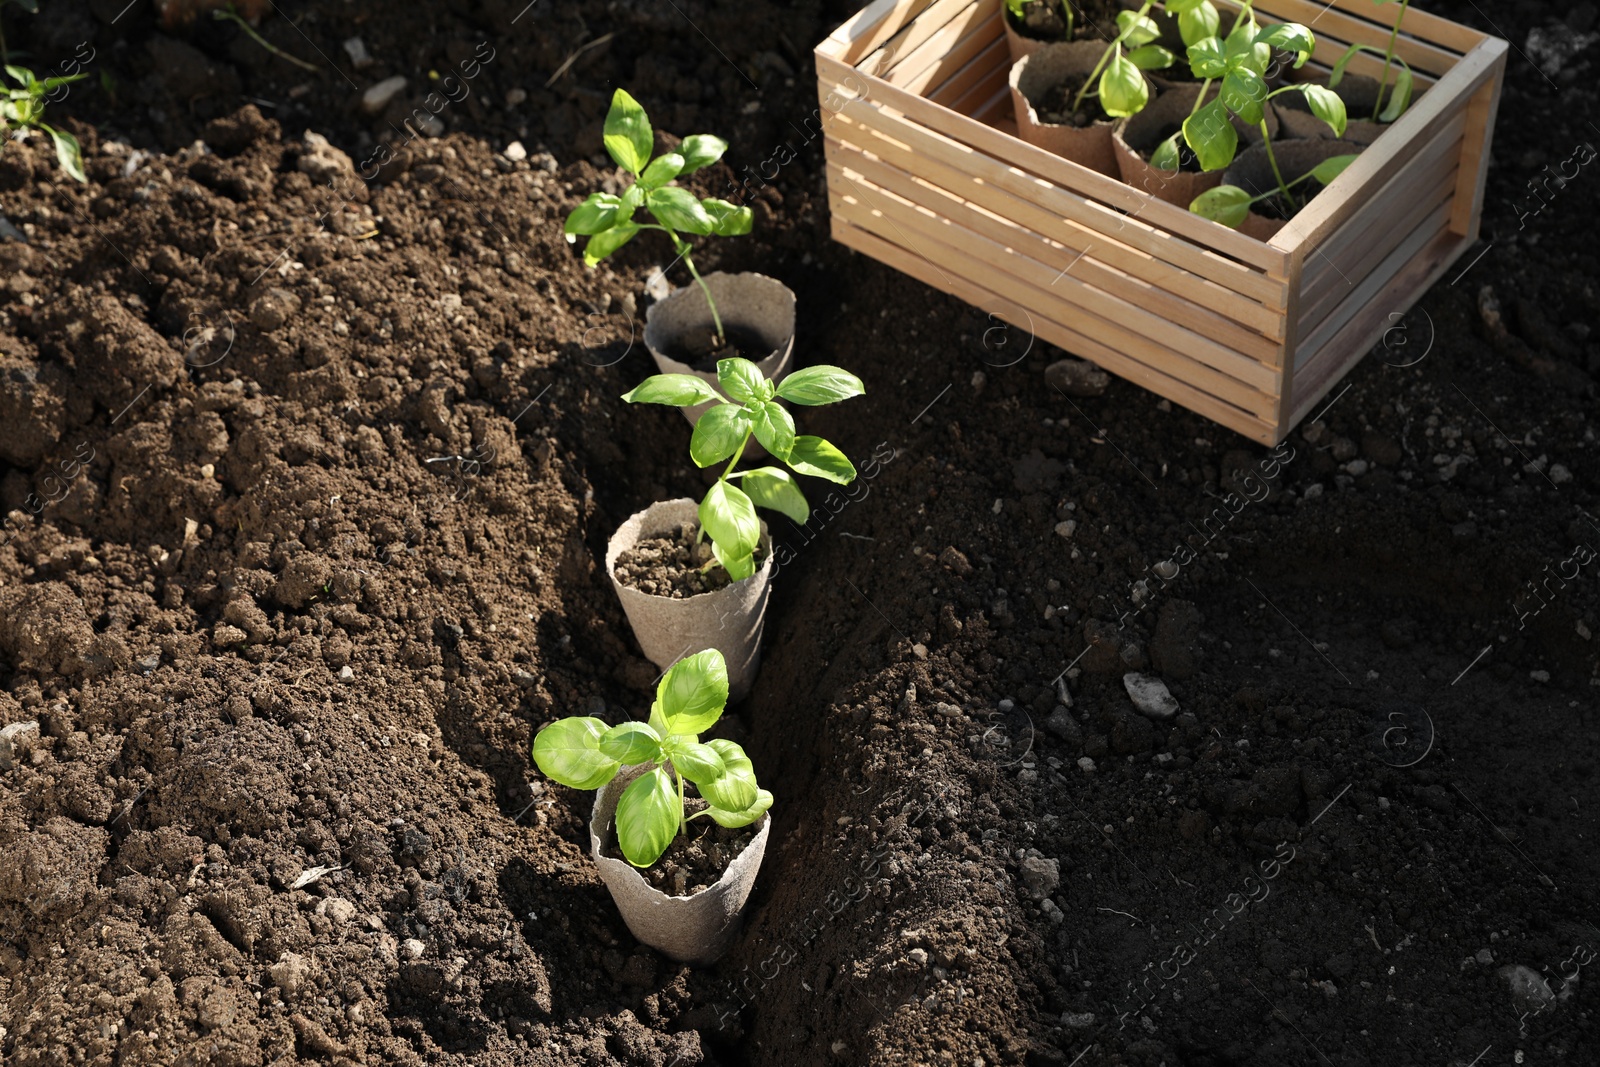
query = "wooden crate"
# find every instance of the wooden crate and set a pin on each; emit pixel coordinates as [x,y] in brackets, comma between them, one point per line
[925,173]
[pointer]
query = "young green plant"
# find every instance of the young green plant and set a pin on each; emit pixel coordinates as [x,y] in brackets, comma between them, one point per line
[1121,85]
[25,107]
[230,13]
[1241,61]
[750,409]
[607,220]
[1230,205]
[585,753]
[1404,81]
[1018,8]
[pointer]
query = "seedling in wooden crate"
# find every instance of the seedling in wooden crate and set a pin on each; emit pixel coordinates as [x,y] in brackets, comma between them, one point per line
[728,512]
[1230,205]
[1121,87]
[607,220]
[1404,79]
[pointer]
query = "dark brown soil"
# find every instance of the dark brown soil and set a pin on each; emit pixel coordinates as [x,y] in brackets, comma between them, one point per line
[702,352]
[1056,106]
[695,860]
[672,566]
[280,805]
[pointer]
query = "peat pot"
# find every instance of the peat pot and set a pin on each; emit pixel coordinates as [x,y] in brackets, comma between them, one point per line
[748,302]
[696,929]
[669,628]
[1252,171]
[1359,93]
[1035,76]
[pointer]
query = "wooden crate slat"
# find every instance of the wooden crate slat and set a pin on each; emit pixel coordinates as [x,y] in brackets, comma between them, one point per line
[1364,331]
[1375,282]
[1418,178]
[933,23]
[948,245]
[1383,159]
[985,67]
[1156,215]
[1426,211]
[1482,113]
[1045,231]
[1162,247]
[918,72]
[1064,272]
[1344,30]
[1315,317]
[998,106]
[1420,24]
[874,24]
[1248,423]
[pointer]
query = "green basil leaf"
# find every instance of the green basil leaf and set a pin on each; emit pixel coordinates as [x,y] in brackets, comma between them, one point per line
[1337,74]
[771,487]
[1326,105]
[738,567]
[1227,204]
[678,209]
[1207,60]
[1211,135]
[774,427]
[693,692]
[729,518]
[1244,93]
[68,153]
[815,386]
[1166,156]
[1289,37]
[718,434]
[727,220]
[627,133]
[602,245]
[1123,90]
[1401,94]
[701,150]
[1198,22]
[735,819]
[818,458]
[595,215]
[658,722]
[1151,57]
[648,814]
[661,170]
[568,751]
[740,379]
[677,390]
[631,742]
[735,789]
[1136,29]
[697,762]
[1329,169]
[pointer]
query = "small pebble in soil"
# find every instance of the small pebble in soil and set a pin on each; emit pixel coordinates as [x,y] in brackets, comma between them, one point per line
[1150,695]
[1086,765]
[346,674]
[1077,377]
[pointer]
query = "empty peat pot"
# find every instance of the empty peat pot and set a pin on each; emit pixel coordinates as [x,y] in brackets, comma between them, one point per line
[696,929]
[757,312]
[729,619]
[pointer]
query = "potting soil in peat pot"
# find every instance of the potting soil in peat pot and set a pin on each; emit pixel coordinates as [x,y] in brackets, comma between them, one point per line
[308,471]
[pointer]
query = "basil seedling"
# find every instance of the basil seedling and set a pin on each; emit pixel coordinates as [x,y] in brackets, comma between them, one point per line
[1241,62]
[585,753]
[1018,9]
[607,220]
[728,512]
[1230,205]
[1122,88]
[1403,81]
[25,107]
